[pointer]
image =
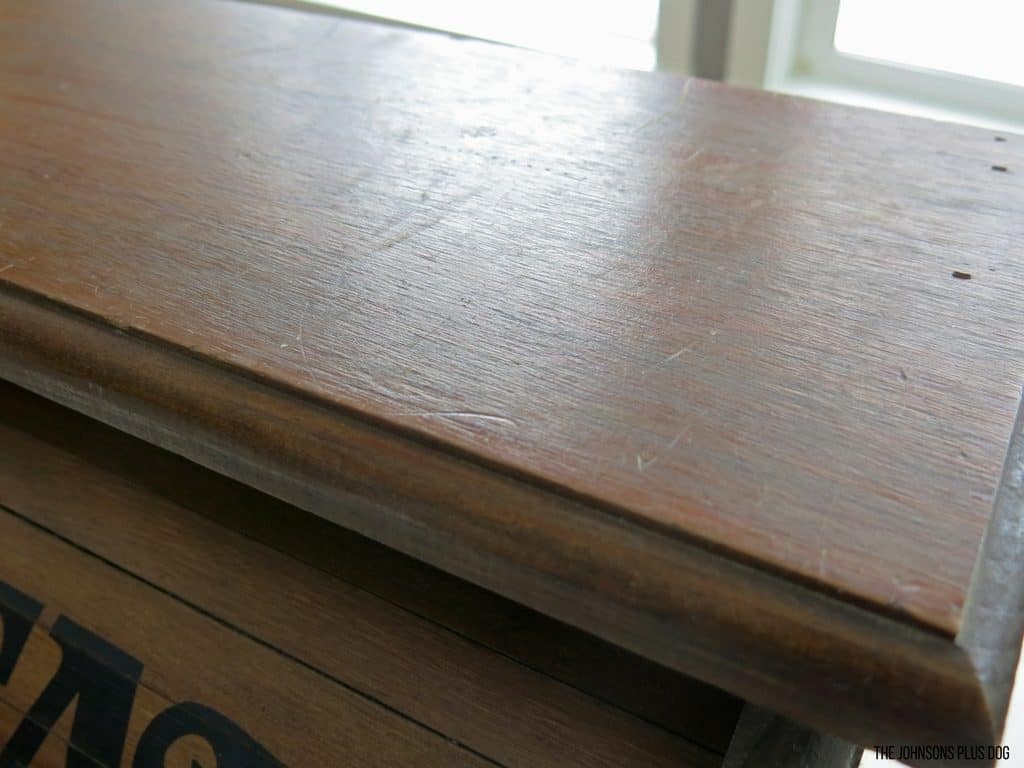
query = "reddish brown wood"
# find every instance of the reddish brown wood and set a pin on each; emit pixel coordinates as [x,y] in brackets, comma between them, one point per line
[44,449]
[52,753]
[813,658]
[499,691]
[728,314]
[186,596]
[522,318]
[301,716]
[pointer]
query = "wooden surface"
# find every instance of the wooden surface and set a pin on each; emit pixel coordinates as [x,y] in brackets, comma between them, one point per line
[811,657]
[321,663]
[730,315]
[765,740]
[683,365]
[40,434]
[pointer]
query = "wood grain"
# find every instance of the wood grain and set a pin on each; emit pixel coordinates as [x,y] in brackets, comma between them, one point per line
[52,753]
[808,656]
[45,448]
[301,716]
[726,314]
[680,364]
[451,683]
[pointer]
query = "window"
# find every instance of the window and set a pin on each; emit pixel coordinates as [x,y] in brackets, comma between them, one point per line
[942,58]
[613,32]
[949,59]
[979,39]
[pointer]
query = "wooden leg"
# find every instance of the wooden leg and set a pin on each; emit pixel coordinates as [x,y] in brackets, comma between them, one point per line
[767,740]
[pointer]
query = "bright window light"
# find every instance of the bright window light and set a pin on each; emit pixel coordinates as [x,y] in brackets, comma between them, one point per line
[616,33]
[980,38]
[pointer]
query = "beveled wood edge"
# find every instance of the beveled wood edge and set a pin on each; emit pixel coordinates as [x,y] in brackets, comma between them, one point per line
[763,739]
[841,668]
[993,619]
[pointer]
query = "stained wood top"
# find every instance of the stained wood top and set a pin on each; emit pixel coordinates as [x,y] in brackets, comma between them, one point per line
[726,317]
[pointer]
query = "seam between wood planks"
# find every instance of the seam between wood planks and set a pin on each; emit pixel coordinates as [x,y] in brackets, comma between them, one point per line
[244,633]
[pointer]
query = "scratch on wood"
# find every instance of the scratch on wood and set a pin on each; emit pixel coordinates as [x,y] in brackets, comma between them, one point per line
[669,359]
[692,156]
[900,590]
[475,415]
[391,242]
[675,440]
[672,110]
[267,49]
[674,355]
[414,229]
[302,351]
[642,463]
[686,91]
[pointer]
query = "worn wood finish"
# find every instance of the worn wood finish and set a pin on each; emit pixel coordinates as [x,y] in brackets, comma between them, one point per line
[45,448]
[766,740]
[171,571]
[682,365]
[863,675]
[726,314]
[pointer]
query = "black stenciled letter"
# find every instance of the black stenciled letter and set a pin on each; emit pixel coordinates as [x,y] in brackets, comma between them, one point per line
[104,679]
[233,746]
[18,612]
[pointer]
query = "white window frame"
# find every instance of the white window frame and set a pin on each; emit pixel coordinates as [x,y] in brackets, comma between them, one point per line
[786,45]
[674,47]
